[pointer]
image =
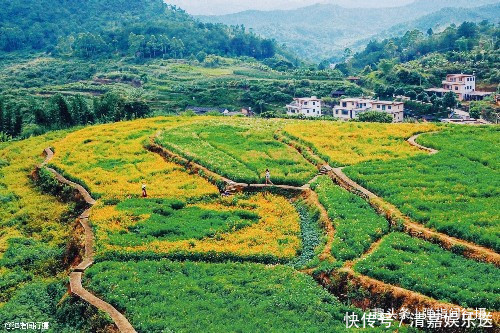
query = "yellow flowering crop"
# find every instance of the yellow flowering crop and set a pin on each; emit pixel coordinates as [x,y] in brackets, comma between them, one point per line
[23,205]
[347,143]
[112,161]
[276,233]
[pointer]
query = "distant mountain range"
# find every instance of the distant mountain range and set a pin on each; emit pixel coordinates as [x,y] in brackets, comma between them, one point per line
[323,31]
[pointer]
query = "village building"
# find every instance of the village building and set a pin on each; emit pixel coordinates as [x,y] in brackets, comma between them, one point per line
[307,107]
[395,109]
[463,85]
[350,108]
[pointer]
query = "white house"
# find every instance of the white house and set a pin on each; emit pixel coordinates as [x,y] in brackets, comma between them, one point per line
[395,109]
[463,85]
[308,107]
[350,108]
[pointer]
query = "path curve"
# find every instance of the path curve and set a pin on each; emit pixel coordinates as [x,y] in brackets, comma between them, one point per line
[412,141]
[230,185]
[75,276]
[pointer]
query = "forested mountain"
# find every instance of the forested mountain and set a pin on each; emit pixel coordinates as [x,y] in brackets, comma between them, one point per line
[409,64]
[415,44]
[442,18]
[144,28]
[325,30]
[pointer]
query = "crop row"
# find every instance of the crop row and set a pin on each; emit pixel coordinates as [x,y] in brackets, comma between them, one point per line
[356,224]
[455,191]
[426,268]
[241,151]
[159,296]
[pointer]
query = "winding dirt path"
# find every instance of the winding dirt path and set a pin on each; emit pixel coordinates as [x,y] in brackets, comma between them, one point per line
[395,216]
[385,294]
[75,276]
[413,228]
[412,141]
[229,185]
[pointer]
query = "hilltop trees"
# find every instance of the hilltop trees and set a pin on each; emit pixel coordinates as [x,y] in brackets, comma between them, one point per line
[144,29]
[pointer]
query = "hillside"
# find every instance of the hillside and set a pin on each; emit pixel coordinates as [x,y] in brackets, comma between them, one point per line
[442,18]
[325,30]
[143,28]
[415,61]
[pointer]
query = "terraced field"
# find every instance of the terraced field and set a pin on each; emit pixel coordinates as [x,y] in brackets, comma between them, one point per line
[194,256]
[241,151]
[455,191]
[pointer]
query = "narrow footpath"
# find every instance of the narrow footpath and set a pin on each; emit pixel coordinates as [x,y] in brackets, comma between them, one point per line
[75,276]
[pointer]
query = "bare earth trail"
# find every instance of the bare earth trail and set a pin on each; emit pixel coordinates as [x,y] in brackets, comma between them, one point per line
[75,276]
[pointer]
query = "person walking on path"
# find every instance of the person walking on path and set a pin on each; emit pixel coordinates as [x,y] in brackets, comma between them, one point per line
[268,178]
[144,192]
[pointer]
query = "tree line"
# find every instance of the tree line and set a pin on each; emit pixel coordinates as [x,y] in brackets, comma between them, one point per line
[20,118]
[415,44]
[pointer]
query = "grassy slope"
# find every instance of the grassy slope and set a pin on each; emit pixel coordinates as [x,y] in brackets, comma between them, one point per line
[356,224]
[241,150]
[187,297]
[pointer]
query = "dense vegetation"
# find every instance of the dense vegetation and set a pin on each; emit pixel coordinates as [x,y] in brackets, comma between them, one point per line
[185,218]
[462,177]
[356,224]
[141,28]
[25,118]
[112,160]
[216,297]
[451,43]
[36,245]
[424,267]
[120,89]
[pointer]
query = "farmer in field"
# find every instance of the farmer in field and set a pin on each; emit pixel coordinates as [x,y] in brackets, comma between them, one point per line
[268,178]
[144,192]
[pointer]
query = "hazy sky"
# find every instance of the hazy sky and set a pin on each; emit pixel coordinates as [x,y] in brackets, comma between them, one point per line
[215,7]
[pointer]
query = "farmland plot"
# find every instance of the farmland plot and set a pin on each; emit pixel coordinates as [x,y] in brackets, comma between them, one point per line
[239,149]
[455,191]
[426,268]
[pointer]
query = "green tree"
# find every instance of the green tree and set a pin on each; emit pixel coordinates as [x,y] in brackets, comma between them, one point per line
[375,117]
[400,92]
[18,123]
[80,111]
[390,91]
[62,110]
[450,100]
[201,56]
[1,116]
[412,94]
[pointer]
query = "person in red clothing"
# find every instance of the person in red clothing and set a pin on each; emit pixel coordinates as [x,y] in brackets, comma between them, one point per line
[144,192]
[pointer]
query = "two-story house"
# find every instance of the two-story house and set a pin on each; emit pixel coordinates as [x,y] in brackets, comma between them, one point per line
[395,109]
[350,108]
[308,107]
